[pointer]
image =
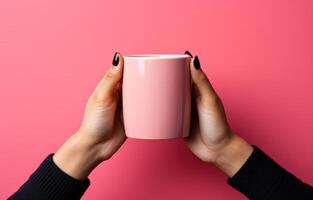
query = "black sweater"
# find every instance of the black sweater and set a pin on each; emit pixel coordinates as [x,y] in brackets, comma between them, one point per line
[260,178]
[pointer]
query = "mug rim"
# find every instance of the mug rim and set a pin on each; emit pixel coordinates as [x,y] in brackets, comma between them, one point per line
[156,56]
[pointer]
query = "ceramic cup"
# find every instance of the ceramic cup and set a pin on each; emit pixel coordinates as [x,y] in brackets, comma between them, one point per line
[156,96]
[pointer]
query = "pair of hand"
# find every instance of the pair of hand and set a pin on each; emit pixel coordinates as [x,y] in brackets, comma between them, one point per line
[102,133]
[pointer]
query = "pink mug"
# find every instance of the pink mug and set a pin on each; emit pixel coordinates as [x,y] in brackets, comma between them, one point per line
[156,96]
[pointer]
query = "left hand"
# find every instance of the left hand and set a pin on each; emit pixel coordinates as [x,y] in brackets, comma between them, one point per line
[101,132]
[211,138]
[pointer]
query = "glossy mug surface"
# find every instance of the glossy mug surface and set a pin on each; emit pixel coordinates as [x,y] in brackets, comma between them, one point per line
[156,96]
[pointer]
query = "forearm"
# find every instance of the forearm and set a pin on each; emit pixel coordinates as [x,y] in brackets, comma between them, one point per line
[51,183]
[77,157]
[257,176]
[64,174]
[233,155]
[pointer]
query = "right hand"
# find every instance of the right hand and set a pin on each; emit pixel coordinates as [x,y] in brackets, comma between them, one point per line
[101,132]
[211,138]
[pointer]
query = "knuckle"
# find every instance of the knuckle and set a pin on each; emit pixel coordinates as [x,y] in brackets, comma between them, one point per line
[105,156]
[211,101]
[203,77]
[102,100]
[110,75]
[98,97]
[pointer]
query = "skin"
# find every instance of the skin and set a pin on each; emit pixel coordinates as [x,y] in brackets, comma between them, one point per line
[211,138]
[101,132]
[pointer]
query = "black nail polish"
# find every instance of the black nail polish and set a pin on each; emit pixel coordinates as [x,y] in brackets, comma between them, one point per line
[196,63]
[188,53]
[116,59]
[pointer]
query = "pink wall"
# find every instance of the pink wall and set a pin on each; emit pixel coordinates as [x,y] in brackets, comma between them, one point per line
[258,55]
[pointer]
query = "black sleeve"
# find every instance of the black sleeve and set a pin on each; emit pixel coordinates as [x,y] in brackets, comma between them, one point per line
[50,183]
[262,178]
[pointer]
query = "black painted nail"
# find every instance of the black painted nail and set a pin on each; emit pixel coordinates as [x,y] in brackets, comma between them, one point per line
[188,53]
[116,59]
[196,63]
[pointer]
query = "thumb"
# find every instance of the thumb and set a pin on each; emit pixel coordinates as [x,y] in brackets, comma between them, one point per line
[108,86]
[202,84]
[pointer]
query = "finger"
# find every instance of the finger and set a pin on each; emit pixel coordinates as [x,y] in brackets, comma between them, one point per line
[120,105]
[195,90]
[203,86]
[188,53]
[193,120]
[196,145]
[118,136]
[110,84]
[118,91]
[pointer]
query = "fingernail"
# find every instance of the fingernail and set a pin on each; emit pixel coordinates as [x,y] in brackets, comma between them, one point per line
[188,53]
[196,63]
[116,59]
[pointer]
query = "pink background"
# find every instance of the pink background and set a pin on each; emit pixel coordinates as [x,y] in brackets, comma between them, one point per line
[258,55]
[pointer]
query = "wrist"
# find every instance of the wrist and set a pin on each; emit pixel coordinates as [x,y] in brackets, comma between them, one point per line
[233,155]
[77,157]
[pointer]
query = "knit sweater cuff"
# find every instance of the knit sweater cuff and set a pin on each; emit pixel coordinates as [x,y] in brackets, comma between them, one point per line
[51,182]
[258,170]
